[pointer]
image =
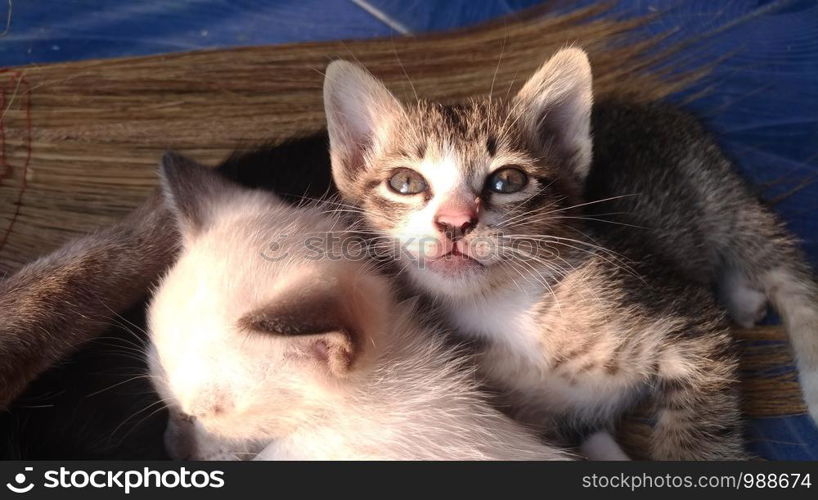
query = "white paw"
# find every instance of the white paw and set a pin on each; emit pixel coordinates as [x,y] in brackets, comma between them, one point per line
[746,304]
[602,446]
[809,386]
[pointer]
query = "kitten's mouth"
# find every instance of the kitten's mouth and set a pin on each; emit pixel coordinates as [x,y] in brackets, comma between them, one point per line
[454,263]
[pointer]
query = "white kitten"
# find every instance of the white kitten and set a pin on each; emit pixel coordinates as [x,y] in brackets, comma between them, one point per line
[260,339]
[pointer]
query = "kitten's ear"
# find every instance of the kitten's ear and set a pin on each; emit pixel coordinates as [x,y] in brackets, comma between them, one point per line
[315,327]
[191,190]
[555,107]
[359,109]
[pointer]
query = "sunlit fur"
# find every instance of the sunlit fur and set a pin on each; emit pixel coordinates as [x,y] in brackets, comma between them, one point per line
[403,395]
[455,148]
[574,330]
[701,215]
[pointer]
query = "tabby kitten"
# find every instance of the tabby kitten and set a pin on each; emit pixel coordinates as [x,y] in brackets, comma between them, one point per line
[485,202]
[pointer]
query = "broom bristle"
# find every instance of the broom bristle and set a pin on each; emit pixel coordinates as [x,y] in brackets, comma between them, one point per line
[79,142]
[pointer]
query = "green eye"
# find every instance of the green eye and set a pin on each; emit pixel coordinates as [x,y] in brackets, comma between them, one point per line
[507,180]
[406,181]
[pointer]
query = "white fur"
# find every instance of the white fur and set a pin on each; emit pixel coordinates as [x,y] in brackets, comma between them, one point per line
[797,301]
[405,397]
[186,438]
[528,330]
[524,342]
[745,302]
[602,446]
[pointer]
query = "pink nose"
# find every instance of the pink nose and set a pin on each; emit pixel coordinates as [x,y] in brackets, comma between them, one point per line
[456,221]
[212,405]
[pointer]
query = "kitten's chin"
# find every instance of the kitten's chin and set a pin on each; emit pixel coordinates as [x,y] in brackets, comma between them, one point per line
[455,266]
[450,276]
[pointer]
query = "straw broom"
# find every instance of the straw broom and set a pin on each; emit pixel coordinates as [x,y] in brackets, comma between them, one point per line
[79,142]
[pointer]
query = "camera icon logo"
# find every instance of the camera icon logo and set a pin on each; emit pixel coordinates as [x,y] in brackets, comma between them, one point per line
[20,479]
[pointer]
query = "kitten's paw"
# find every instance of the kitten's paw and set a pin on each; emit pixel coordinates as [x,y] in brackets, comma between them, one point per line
[602,446]
[746,304]
[809,386]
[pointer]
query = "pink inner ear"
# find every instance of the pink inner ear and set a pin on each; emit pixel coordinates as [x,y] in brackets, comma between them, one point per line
[337,357]
[320,350]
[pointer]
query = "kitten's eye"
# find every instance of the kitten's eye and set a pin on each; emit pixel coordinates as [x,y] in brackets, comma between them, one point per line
[507,180]
[407,181]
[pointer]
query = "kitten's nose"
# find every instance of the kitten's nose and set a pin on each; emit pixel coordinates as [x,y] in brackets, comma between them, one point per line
[209,405]
[457,222]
